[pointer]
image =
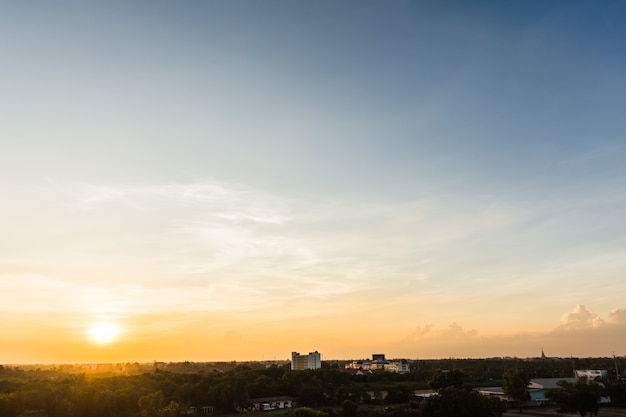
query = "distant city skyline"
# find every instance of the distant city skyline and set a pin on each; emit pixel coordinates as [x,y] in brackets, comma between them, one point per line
[214,181]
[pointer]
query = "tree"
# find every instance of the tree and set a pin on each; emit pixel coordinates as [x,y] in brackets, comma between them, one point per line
[458,402]
[617,391]
[151,404]
[306,412]
[581,397]
[444,378]
[171,410]
[349,408]
[34,413]
[311,396]
[515,385]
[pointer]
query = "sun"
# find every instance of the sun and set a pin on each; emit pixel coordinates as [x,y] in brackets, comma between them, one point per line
[104,332]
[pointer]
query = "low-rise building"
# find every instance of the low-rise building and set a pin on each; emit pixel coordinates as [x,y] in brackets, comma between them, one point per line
[270,403]
[378,363]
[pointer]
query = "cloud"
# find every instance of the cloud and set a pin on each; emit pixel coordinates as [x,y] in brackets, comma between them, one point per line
[224,246]
[580,318]
[455,331]
[235,203]
[618,316]
[111,298]
[420,332]
[452,331]
[581,332]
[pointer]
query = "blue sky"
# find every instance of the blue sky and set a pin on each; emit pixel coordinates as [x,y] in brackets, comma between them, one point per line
[439,160]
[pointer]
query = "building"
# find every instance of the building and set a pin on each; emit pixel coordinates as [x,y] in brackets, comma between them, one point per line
[379,363]
[591,374]
[536,388]
[311,361]
[193,411]
[399,367]
[270,403]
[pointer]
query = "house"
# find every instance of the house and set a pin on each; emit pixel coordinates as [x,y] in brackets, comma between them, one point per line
[591,374]
[270,403]
[420,395]
[193,411]
[379,362]
[355,371]
[536,388]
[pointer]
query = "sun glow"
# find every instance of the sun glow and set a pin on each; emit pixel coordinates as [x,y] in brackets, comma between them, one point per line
[103,333]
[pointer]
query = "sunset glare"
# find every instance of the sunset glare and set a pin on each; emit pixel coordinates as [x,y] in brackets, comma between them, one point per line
[104,333]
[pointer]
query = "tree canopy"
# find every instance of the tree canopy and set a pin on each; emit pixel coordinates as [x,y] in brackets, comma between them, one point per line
[457,402]
[515,385]
[581,397]
[444,378]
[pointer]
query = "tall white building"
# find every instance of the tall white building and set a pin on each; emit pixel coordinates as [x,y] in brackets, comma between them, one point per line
[311,361]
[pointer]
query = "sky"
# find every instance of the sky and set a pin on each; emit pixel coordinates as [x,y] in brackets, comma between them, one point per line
[237,180]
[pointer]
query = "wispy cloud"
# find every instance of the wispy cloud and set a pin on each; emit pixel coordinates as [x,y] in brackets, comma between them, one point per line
[452,331]
[213,245]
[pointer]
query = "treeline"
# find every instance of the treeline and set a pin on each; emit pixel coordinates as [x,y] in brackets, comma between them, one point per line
[475,370]
[162,393]
[135,390]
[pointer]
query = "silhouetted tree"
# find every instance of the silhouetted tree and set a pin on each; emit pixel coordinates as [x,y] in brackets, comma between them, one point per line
[444,378]
[515,385]
[581,397]
[306,412]
[458,402]
[150,404]
[349,408]
[34,413]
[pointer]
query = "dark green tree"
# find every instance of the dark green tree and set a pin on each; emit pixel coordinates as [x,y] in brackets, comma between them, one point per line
[458,402]
[515,385]
[617,391]
[311,396]
[34,413]
[349,408]
[444,378]
[397,394]
[581,397]
[171,410]
[151,404]
[306,412]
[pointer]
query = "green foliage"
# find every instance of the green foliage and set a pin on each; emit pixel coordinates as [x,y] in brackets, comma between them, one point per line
[349,408]
[306,412]
[458,402]
[402,411]
[515,385]
[116,390]
[150,404]
[443,379]
[580,397]
[171,410]
[398,394]
[34,413]
[617,391]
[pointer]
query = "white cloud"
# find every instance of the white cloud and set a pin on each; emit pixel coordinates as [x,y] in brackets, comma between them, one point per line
[580,318]
[618,316]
